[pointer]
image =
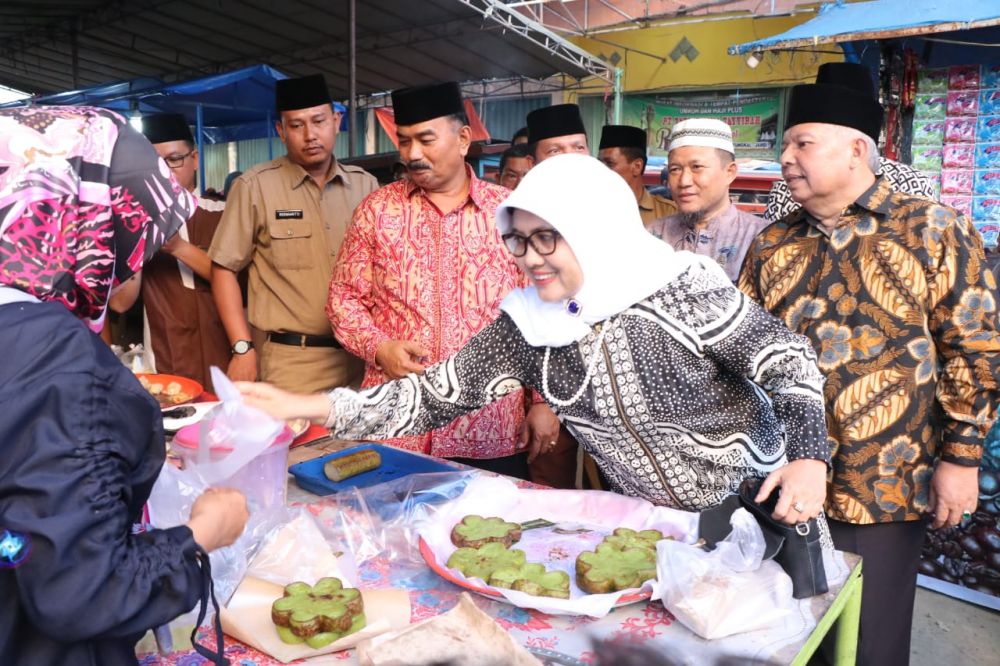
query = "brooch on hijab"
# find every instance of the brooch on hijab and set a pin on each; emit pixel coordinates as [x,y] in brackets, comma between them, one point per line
[573,307]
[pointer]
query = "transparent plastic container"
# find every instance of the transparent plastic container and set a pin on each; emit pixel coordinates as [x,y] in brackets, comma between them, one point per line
[264,479]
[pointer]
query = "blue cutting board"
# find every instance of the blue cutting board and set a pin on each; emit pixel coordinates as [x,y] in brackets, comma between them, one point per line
[396,463]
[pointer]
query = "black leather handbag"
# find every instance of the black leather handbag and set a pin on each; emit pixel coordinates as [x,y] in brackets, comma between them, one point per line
[795,547]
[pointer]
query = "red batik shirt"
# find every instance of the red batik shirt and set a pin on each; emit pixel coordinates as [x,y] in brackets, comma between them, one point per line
[408,271]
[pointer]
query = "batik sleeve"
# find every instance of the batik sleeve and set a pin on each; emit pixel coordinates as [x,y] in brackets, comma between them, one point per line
[351,297]
[749,279]
[749,342]
[494,363]
[963,325]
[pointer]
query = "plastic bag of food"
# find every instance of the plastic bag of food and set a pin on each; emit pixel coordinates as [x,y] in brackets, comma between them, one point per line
[728,590]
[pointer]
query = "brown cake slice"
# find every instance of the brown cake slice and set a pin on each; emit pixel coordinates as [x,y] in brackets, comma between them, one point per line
[474,531]
[609,569]
[317,614]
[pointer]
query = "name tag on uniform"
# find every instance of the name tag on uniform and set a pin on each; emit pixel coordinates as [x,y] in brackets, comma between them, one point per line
[288,214]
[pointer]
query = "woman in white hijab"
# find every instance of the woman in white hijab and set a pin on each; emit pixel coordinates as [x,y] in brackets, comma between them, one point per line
[676,384]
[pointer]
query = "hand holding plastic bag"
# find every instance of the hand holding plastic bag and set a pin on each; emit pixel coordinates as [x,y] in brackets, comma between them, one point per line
[236,449]
[728,590]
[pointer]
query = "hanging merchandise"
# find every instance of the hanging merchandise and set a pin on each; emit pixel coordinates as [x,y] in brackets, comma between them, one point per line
[956,140]
[892,95]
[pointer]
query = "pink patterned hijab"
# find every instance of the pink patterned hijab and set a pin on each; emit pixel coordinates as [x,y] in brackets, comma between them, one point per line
[84,202]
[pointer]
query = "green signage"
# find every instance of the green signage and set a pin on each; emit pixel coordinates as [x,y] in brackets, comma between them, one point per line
[753,117]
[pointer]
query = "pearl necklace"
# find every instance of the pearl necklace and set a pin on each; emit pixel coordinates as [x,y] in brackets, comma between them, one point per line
[586,379]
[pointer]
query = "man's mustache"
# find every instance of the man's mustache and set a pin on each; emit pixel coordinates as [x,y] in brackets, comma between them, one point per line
[413,166]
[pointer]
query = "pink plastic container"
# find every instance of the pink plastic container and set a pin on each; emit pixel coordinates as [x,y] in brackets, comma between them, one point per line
[263,480]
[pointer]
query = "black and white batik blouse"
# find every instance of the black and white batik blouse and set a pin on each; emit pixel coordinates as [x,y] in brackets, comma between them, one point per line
[687,392]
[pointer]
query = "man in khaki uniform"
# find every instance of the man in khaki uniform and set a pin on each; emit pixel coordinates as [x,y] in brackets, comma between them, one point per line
[285,219]
[623,150]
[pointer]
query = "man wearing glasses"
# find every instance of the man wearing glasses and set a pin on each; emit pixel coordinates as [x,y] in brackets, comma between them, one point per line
[185,333]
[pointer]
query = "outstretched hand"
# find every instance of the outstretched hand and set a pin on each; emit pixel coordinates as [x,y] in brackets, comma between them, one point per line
[803,490]
[285,405]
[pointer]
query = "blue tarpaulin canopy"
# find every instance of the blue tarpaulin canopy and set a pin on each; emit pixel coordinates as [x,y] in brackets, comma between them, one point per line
[880,19]
[233,106]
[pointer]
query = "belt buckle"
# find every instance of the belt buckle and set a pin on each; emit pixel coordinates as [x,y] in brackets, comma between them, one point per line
[302,341]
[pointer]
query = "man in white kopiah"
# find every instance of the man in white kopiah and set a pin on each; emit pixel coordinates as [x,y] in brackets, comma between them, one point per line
[701,165]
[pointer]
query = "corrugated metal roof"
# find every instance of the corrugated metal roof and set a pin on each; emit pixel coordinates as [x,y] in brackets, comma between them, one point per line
[55,45]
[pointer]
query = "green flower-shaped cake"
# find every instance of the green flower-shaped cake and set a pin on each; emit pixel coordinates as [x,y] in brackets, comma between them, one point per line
[609,569]
[483,561]
[533,579]
[318,614]
[475,531]
[624,537]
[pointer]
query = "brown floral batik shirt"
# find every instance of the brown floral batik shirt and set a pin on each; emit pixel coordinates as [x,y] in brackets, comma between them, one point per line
[901,309]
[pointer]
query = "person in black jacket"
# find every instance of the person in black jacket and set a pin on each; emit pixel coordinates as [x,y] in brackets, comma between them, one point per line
[84,201]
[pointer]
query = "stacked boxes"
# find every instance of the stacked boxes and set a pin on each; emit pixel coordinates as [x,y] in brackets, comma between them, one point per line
[957,125]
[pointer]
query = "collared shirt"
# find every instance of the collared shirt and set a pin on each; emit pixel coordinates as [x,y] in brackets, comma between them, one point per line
[279,222]
[900,306]
[725,238]
[186,335]
[902,178]
[408,271]
[653,207]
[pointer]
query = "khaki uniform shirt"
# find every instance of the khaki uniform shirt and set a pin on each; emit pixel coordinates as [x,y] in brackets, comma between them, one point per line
[653,207]
[279,223]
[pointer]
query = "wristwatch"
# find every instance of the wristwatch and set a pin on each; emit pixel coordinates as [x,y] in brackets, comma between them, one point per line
[242,347]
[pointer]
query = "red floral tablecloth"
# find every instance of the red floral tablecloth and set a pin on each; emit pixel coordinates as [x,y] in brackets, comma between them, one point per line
[555,639]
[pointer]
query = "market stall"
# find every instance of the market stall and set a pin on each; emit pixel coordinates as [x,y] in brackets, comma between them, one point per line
[387,532]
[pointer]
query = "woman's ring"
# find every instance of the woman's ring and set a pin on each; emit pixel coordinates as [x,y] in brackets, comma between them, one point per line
[966,515]
[552,443]
[799,506]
